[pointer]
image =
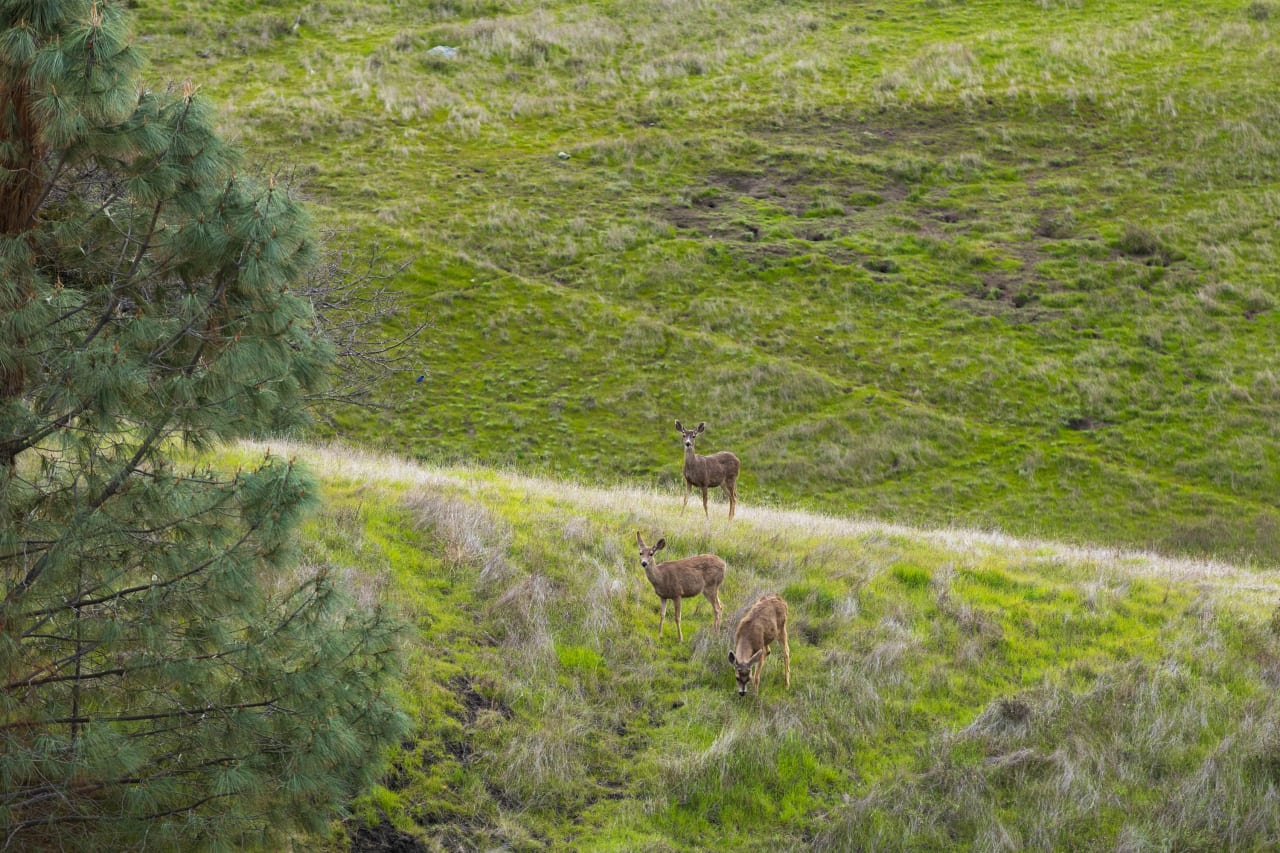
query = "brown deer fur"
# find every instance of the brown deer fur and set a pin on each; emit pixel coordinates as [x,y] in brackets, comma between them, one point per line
[678,579]
[707,472]
[765,622]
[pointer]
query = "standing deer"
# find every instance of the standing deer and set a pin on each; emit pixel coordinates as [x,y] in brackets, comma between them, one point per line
[707,472]
[765,622]
[678,579]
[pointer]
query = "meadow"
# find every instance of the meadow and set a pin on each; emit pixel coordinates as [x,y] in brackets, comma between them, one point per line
[950,689]
[996,264]
[983,294]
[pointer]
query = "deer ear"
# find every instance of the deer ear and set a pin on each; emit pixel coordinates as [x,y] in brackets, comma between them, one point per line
[755,657]
[732,659]
[662,543]
[639,539]
[679,427]
[701,427]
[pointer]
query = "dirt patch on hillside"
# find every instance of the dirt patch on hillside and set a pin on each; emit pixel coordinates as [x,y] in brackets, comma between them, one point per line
[851,188]
[382,837]
[819,177]
[473,702]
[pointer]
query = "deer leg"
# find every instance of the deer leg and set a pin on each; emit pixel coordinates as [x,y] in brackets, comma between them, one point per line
[663,618]
[786,655]
[714,597]
[732,489]
[688,490]
[704,501]
[760,669]
[679,630]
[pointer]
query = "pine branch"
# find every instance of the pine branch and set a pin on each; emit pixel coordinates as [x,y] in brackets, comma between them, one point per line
[119,671]
[48,790]
[10,448]
[117,482]
[35,614]
[85,818]
[112,487]
[48,188]
[137,718]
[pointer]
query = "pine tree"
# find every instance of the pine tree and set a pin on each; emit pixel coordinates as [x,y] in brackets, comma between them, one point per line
[169,676]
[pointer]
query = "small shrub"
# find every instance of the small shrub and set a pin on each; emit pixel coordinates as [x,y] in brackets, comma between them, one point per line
[881,265]
[403,41]
[909,169]
[1256,301]
[1140,242]
[824,206]
[1056,224]
[865,199]
[1260,11]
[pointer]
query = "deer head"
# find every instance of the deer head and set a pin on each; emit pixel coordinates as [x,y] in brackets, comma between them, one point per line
[690,434]
[742,670]
[646,554]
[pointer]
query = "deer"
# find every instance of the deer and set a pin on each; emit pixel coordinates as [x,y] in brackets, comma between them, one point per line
[707,472]
[674,580]
[764,623]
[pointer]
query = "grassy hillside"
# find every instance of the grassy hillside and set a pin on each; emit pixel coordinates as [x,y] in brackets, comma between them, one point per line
[1004,264]
[950,689]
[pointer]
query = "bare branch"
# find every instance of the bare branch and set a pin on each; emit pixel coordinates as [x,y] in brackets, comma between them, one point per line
[361,312]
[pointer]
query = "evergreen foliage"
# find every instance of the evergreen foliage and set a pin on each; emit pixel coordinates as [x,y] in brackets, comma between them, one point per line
[170,677]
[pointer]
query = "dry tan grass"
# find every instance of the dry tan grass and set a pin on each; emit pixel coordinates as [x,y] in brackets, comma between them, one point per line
[660,509]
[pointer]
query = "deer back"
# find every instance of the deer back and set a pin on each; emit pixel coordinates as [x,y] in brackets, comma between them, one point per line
[710,470]
[687,577]
[760,626]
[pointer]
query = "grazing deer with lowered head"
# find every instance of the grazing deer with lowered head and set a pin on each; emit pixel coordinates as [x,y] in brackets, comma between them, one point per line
[765,622]
[707,472]
[677,579]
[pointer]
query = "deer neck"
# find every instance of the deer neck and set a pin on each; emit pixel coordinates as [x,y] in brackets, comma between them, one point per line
[650,572]
[692,461]
[745,646]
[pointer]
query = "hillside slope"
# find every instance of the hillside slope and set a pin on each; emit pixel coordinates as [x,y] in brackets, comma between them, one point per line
[950,688]
[996,264]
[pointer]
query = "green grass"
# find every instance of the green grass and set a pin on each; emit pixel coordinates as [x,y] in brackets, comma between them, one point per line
[950,688]
[995,266]
[999,264]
